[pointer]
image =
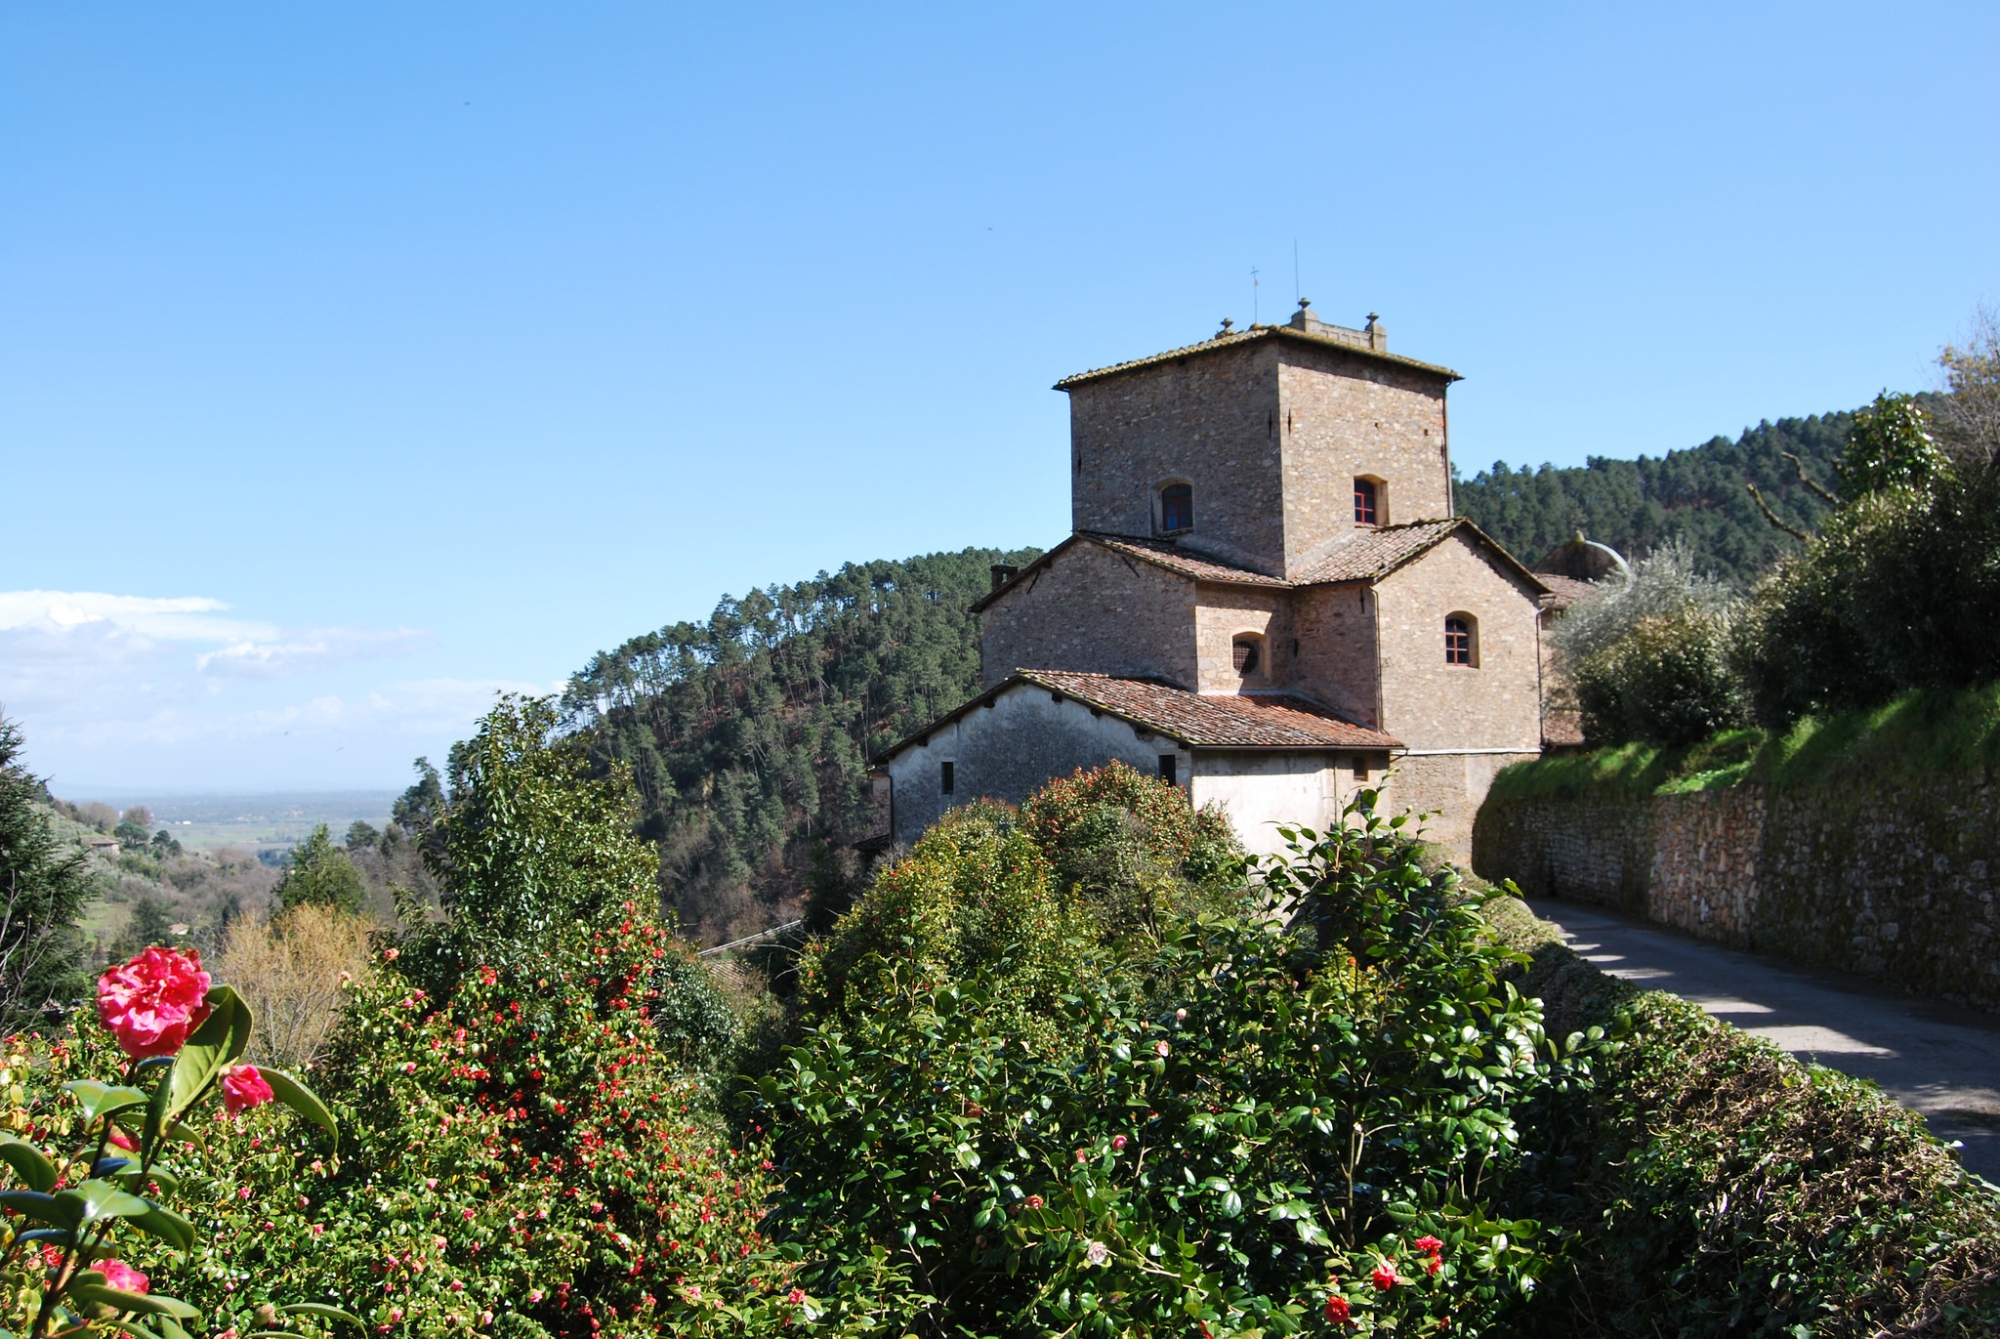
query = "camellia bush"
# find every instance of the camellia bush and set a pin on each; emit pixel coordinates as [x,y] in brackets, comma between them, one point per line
[97,1162]
[1287,1118]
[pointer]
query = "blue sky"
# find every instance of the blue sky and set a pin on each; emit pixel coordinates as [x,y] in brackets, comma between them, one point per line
[358,360]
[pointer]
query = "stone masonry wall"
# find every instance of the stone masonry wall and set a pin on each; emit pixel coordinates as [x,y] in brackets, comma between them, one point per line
[1345,415]
[1095,611]
[1893,879]
[1430,704]
[1210,420]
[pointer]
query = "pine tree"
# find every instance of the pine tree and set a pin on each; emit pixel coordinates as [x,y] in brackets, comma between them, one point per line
[42,892]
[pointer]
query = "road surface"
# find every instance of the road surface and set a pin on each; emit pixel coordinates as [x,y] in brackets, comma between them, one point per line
[1939,1059]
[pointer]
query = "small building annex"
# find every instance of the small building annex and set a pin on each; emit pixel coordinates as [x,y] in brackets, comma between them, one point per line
[1265,599]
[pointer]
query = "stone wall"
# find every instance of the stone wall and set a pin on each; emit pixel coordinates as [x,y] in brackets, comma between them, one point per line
[1094,610]
[1887,878]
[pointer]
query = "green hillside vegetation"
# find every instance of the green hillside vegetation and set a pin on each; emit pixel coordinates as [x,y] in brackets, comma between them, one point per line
[748,735]
[1695,496]
[1919,735]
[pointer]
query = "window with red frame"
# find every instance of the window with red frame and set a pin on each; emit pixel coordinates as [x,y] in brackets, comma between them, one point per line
[1457,640]
[1364,502]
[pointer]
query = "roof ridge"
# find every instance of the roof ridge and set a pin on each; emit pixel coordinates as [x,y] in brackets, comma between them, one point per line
[1255,332]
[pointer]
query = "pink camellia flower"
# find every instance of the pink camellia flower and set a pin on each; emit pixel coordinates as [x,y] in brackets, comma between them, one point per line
[1431,1244]
[1337,1310]
[153,1002]
[1385,1277]
[1162,1049]
[797,1297]
[119,1139]
[119,1275]
[243,1087]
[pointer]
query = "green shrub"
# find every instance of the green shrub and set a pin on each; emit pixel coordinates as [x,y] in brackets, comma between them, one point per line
[1708,1184]
[1224,1132]
[1668,681]
[321,875]
[1890,597]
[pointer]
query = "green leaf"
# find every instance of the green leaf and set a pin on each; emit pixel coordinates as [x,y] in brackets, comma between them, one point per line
[101,1099]
[217,1042]
[301,1099]
[94,1200]
[167,1225]
[151,1303]
[29,1163]
[45,1208]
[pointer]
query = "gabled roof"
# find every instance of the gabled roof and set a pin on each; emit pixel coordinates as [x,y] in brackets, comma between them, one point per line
[1255,333]
[1369,556]
[1372,556]
[1176,559]
[1198,720]
[1158,553]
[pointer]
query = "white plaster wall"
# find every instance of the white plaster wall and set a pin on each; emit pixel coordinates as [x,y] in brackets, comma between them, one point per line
[1260,790]
[1005,751]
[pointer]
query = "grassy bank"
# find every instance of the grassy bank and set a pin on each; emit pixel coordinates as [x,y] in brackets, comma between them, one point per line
[1919,735]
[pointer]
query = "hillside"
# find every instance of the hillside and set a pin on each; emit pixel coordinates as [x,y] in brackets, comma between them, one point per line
[1696,495]
[748,735]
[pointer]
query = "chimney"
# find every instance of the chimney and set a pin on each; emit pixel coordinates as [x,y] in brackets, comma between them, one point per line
[1002,574]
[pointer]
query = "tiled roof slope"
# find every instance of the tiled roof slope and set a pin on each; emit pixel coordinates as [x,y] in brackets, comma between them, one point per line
[1271,721]
[1567,590]
[1377,553]
[1253,334]
[1179,560]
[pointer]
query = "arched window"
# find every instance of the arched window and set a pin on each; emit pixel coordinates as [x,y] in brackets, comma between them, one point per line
[1461,640]
[1176,508]
[1367,498]
[1246,653]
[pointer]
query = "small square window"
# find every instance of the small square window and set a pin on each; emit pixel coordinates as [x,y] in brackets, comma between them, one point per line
[1360,769]
[1176,508]
[1170,768]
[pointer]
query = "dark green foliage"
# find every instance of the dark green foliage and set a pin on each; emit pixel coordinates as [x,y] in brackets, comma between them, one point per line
[1714,1186]
[529,839]
[42,892]
[362,836]
[1668,681]
[321,875]
[695,1023]
[416,807]
[1889,446]
[748,735]
[1636,506]
[1899,591]
[1220,1132]
[151,923]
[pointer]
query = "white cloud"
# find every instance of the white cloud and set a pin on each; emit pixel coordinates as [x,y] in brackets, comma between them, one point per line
[304,650]
[188,618]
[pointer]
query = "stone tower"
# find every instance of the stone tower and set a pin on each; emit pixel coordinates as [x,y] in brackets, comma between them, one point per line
[1267,448]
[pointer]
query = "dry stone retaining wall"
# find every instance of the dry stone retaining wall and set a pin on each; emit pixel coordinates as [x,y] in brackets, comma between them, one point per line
[1890,879]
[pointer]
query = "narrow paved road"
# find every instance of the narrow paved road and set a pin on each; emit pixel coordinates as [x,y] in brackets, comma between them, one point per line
[1938,1059]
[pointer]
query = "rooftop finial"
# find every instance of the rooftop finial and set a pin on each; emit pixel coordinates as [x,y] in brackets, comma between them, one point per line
[1227,325]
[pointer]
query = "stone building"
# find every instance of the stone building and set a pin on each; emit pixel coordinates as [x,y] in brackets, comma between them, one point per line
[1265,598]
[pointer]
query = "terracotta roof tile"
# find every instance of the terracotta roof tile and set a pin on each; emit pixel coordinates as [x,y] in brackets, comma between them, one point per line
[1177,559]
[1263,720]
[1254,333]
[1568,590]
[1377,553]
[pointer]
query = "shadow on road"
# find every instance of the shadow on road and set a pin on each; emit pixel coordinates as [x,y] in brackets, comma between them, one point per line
[1934,1058]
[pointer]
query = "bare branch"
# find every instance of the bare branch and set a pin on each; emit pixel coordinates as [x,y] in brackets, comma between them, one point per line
[1800,467]
[1772,516]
